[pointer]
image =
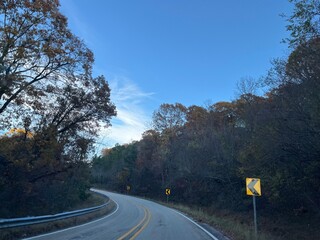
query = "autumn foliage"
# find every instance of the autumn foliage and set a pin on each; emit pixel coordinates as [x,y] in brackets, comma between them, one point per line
[53,106]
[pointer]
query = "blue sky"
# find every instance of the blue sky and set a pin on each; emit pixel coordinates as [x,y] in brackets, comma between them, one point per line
[169,51]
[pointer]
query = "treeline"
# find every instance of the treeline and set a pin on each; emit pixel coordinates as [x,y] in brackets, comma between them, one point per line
[51,108]
[204,154]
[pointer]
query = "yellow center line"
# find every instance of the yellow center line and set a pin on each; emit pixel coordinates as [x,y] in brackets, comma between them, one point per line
[135,227]
[143,227]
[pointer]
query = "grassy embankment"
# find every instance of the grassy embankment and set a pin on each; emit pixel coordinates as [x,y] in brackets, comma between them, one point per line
[93,200]
[239,226]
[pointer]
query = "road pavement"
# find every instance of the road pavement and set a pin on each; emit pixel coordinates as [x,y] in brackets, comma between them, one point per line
[134,218]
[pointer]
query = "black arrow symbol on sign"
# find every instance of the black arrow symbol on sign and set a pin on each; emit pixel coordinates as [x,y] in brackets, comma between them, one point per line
[251,186]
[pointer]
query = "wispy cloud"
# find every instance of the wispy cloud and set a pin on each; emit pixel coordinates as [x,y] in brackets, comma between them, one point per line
[132,117]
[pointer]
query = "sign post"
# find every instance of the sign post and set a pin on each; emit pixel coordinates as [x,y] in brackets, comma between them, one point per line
[255,217]
[128,189]
[254,189]
[168,192]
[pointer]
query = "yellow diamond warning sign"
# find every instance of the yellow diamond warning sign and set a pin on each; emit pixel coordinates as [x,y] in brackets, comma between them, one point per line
[168,191]
[253,186]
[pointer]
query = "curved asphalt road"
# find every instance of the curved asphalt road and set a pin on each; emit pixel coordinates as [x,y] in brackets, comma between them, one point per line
[134,218]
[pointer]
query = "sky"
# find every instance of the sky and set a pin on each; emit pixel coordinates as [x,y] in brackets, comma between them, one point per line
[187,51]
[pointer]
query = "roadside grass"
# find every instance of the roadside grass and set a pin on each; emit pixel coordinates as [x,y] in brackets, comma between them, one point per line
[229,225]
[238,226]
[32,230]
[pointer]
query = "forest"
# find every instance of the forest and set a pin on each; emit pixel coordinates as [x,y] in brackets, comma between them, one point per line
[205,153]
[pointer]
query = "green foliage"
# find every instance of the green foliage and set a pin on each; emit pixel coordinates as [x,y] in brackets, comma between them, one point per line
[303,24]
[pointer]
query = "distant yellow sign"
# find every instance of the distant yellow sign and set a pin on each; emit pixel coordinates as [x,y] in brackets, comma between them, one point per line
[128,188]
[253,186]
[168,191]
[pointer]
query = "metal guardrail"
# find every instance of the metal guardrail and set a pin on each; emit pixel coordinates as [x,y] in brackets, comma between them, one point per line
[19,222]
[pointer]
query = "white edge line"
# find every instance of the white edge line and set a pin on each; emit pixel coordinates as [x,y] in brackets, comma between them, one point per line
[66,229]
[207,232]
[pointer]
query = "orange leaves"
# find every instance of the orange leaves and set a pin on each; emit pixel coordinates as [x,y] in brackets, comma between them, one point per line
[40,5]
[19,132]
[106,151]
[223,107]
[169,116]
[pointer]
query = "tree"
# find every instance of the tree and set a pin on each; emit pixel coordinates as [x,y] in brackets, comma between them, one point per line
[77,113]
[45,72]
[304,21]
[303,63]
[47,89]
[169,117]
[37,51]
[247,86]
[150,163]
[118,167]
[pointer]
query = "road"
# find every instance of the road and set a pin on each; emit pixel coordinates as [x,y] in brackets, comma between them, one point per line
[134,218]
